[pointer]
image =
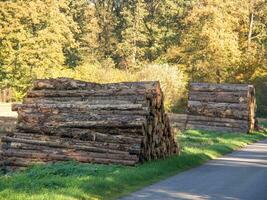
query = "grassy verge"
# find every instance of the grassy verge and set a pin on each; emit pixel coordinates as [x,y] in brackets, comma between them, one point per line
[74,181]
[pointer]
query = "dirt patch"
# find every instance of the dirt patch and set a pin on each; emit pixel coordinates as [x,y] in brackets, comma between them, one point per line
[5,110]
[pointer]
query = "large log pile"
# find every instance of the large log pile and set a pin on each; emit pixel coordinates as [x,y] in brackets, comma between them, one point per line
[221,107]
[64,119]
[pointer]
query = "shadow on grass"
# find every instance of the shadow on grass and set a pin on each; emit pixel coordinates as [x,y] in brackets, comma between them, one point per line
[88,181]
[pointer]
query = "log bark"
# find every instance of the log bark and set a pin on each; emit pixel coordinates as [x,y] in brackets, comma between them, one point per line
[132,147]
[71,84]
[225,110]
[211,87]
[80,107]
[220,97]
[48,157]
[35,144]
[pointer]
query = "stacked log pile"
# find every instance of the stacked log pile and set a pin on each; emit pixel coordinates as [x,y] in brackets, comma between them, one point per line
[178,121]
[221,107]
[65,119]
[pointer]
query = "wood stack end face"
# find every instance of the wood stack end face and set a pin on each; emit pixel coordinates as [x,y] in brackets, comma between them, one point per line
[65,119]
[221,107]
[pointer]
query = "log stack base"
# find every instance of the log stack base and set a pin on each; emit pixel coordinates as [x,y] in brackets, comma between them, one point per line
[221,107]
[65,119]
[178,121]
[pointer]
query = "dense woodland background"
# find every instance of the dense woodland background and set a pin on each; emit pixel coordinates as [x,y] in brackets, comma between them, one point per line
[174,41]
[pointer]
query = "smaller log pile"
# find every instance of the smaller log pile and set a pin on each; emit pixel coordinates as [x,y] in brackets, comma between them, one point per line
[65,119]
[178,121]
[221,107]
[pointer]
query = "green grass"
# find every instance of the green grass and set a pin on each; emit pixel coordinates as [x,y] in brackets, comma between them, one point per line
[74,181]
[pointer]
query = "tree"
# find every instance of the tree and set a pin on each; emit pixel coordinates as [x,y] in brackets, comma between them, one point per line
[86,32]
[133,35]
[106,12]
[33,35]
[210,44]
[164,26]
[252,36]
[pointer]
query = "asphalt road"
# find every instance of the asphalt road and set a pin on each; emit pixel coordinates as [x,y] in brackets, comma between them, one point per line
[239,175]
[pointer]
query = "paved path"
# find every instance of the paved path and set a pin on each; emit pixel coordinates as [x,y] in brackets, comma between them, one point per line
[239,175]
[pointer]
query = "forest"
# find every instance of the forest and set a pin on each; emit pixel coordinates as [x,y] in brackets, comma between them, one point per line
[174,41]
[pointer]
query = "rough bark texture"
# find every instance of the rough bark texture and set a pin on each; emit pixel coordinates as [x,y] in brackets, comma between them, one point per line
[221,107]
[65,119]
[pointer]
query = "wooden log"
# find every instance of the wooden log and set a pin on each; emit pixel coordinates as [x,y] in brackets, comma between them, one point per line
[80,101]
[214,105]
[71,132]
[28,143]
[66,151]
[43,119]
[211,87]
[30,126]
[70,84]
[225,110]
[87,158]
[75,112]
[139,99]
[84,93]
[80,107]
[222,97]
[134,148]
[87,135]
